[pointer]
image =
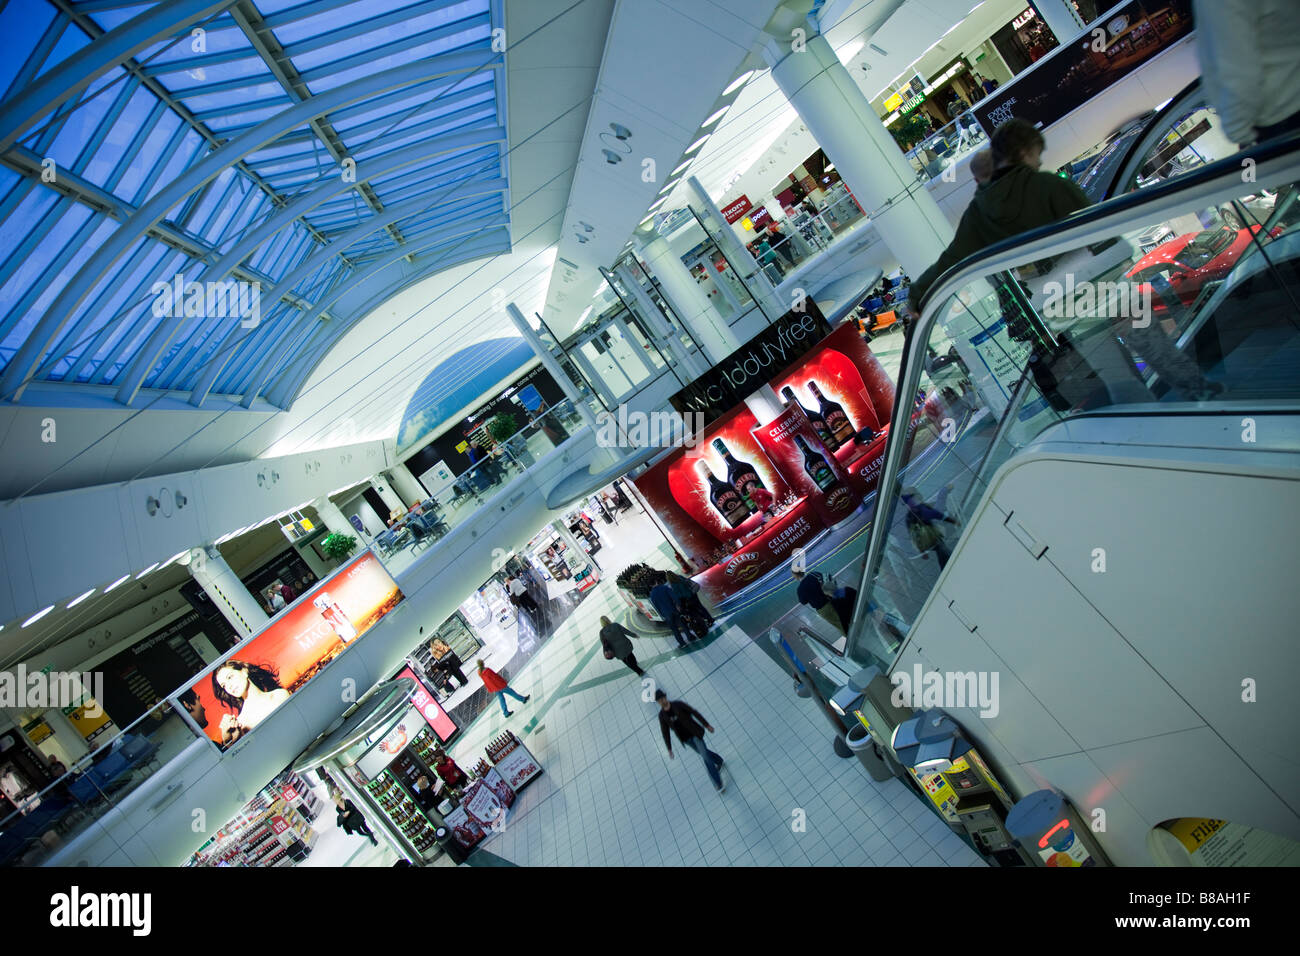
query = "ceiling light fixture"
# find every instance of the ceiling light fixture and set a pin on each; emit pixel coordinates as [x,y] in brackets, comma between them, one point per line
[146,571]
[715,117]
[622,132]
[738,82]
[611,157]
[124,577]
[681,167]
[77,600]
[672,185]
[696,145]
[38,615]
[657,203]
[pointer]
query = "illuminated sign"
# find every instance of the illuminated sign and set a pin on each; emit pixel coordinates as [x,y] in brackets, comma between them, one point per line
[1024,18]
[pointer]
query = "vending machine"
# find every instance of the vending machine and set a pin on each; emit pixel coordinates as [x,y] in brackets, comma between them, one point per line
[1047,828]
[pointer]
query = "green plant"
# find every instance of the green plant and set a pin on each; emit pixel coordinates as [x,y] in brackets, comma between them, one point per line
[338,546]
[502,427]
[910,129]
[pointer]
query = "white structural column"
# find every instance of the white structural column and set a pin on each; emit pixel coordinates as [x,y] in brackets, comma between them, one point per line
[391,498]
[219,581]
[758,284]
[1061,17]
[687,299]
[551,363]
[406,485]
[334,519]
[841,120]
[657,324]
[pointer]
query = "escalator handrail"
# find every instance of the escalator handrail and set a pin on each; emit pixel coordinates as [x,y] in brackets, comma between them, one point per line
[1277,157]
[1274,152]
[1142,143]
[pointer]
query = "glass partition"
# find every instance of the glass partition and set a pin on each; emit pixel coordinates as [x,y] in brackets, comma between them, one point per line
[1201,320]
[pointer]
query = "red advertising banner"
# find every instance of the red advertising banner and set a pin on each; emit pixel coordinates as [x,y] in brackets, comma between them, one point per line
[793,445]
[429,708]
[464,827]
[743,498]
[734,211]
[258,676]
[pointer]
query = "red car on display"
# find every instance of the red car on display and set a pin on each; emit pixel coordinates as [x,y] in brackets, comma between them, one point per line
[1189,261]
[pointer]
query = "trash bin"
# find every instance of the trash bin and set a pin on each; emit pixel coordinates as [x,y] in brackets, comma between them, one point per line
[447,841]
[863,746]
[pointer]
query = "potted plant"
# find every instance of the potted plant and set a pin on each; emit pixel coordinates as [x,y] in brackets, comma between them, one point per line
[502,427]
[338,546]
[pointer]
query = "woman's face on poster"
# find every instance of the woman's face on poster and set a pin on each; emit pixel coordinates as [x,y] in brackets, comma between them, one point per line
[233,680]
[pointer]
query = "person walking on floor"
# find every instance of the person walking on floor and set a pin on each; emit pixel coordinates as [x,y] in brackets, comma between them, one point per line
[617,642]
[350,819]
[661,596]
[496,684]
[684,593]
[689,725]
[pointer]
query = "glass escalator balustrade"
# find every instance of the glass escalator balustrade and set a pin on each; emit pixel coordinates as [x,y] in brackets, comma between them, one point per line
[1207,318]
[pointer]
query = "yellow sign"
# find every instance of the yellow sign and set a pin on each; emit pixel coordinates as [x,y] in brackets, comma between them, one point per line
[90,727]
[940,793]
[747,223]
[1192,832]
[38,731]
[894,102]
[462,446]
[306,524]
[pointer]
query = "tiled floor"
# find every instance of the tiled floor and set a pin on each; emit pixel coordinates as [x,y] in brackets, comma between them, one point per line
[611,797]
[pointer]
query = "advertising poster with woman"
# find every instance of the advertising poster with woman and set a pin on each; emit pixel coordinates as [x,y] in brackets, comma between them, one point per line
[257,677]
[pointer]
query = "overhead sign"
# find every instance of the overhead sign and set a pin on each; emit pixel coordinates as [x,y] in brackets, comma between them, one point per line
[733,211]
[755,363]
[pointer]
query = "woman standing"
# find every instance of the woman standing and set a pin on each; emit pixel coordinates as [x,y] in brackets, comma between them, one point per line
[350,820]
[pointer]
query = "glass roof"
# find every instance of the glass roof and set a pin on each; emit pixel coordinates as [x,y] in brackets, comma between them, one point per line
[380,154]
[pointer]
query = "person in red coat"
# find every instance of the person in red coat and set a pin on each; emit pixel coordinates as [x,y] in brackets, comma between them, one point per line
[496,684]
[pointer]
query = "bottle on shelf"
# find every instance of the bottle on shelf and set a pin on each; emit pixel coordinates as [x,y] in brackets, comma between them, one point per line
[741,475]
[724,498]
[816,466]
[836,418]
[818,421]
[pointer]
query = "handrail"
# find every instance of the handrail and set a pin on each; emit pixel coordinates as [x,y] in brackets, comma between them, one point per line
[1277,159]
[808,632]
[1264,160]
[1142,143]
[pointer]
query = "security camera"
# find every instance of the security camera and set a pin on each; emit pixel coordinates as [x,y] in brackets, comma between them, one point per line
[622,132]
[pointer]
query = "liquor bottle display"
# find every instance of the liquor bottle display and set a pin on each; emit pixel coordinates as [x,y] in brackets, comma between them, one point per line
[815,464]
[836,418]
[724,498]
[818,422]
[740,474]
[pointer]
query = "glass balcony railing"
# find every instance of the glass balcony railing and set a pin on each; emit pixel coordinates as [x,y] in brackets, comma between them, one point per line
[45,821]
[947,145]
[398,546]
[1179,298]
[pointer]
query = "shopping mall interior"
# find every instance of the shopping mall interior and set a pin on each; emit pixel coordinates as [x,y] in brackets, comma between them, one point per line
[648,433]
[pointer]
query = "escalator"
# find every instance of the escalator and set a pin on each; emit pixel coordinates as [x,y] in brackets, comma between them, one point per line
[1101,501]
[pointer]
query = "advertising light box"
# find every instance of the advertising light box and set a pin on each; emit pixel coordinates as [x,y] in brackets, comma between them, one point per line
[258,676]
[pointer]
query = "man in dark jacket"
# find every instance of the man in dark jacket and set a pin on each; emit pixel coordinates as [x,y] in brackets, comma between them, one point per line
[617,642]
[661,596]
[689,725]
[349,818]
[1016,199]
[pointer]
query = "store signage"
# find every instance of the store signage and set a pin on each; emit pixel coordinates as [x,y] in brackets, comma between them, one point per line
[759,216]
[894,102]
[429,708]
[735,210]
[1024,18]
[1074,73]
[239,692]
[754,364]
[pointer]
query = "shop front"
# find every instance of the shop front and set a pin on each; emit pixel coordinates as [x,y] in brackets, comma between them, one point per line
[275,828]
[388,759]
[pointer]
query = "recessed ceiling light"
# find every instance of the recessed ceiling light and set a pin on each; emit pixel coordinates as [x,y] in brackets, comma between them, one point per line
[645,220]
[738,82]
[715,117]
[146,571]
[696,145]
[77,600]
[38,615]
[681,167]
[670,186]
[657,203]
[117,582]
